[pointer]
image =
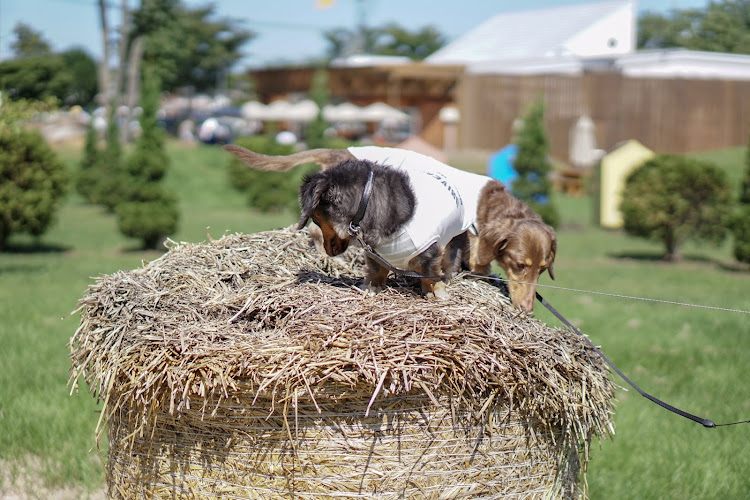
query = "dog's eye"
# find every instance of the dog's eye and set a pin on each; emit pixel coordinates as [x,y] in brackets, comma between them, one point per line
[521,266]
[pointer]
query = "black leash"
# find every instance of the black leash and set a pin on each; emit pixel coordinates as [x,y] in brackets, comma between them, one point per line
[703,421]
[355,230]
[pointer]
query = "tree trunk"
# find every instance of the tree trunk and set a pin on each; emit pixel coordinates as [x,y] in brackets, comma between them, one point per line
[133,90]
[122,67]
[673,251]
[104,89]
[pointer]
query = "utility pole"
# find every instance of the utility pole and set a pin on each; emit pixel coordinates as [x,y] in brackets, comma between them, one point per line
[358,44]
[361,46]
[104,90]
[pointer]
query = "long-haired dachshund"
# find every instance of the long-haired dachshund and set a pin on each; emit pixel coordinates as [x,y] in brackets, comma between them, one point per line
[424,206]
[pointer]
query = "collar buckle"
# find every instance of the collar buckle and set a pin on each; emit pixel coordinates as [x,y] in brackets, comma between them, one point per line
[353,228]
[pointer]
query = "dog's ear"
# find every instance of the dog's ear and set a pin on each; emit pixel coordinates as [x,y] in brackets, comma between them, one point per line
[493,238]
[310,192]
[552,252]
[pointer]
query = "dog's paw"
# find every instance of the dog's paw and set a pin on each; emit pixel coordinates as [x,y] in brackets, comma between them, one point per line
[371,289]
[437,290]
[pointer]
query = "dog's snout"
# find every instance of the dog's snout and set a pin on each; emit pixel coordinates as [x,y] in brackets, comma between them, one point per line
[336,246]
[523,296]
[527,306]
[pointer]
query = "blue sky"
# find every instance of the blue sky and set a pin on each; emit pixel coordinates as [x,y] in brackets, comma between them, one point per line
[288,30]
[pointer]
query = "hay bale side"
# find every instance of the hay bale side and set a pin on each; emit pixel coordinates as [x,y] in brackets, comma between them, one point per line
[253,367]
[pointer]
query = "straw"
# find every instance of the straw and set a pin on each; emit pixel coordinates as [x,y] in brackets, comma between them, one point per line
[253,367]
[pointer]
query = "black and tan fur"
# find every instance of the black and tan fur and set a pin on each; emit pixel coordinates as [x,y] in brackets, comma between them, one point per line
[331,198]
[509,232]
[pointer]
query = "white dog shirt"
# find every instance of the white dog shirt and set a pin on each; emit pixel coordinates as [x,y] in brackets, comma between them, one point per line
[446,201]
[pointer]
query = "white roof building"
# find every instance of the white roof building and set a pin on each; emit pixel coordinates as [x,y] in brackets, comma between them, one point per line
[573,39]
[683,63]
[584,30]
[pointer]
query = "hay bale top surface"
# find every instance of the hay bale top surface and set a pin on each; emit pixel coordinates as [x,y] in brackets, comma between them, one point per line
[269,314]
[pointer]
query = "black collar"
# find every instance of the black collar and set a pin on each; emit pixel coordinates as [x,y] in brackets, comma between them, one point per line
[366,193]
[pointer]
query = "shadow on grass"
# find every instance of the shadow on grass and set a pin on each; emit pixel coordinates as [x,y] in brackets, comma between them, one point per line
[33,247]
[22,268]
[131,249]
[730,266]
[644,256]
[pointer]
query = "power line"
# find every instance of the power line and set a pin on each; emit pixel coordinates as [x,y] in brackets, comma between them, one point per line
[617,295]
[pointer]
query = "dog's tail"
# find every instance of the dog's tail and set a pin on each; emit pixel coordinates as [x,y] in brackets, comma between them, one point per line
[326,158]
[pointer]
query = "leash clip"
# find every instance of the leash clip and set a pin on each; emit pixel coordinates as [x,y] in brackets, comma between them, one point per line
[353,229]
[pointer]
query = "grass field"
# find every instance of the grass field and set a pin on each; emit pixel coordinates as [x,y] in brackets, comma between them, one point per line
[693,358]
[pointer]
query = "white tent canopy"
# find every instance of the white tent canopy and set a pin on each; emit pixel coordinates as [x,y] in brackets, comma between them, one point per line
[345,112]
[379,111]
[307,110]
[253,110]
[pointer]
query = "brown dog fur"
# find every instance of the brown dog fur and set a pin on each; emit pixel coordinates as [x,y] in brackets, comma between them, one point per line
[513,235]
[326,158]
[508,230]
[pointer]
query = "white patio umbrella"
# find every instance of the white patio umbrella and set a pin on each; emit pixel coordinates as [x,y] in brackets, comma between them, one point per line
[278,111]
[253,110]
[345,112]
[302,111]
[380,111]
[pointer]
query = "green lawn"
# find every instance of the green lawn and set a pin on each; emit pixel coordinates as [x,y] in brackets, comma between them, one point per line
[692,358]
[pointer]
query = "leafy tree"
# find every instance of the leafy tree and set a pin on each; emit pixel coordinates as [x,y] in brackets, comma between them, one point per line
[147,211]
[741,228]
[69,77]
[29,42]
[189,46]
[724,26]
[35,77]
[398,41]
[673,199]
[390,39]
[83,85]
[344,41]
[745,185]
[37,73]
[32,179]
[740,224]
[533,185]
[656,31]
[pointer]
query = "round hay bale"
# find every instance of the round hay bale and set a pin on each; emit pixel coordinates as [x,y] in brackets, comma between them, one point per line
[252,367]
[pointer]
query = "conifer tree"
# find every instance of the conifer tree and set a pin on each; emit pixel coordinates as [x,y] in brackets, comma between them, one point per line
[531,164]
[147,211]
[33,180]
[315,130]
[86,179]
[106,177]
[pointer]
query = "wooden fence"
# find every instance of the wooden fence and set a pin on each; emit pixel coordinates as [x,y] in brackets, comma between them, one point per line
[666,115]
